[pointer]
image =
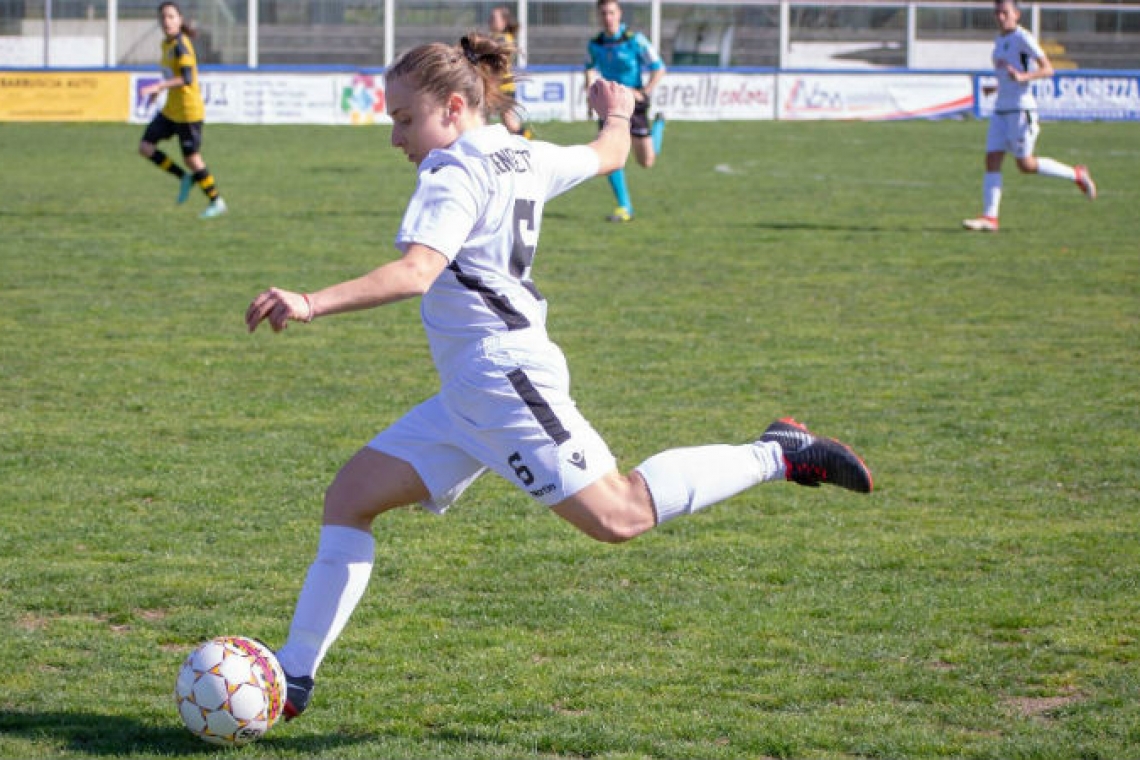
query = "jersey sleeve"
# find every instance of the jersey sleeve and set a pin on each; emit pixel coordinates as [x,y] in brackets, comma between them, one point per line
[565,166]
[1032,46]
[183,62]
[648,54]
[443,210]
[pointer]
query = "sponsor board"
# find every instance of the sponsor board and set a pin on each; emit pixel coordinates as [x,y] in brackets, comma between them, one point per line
[68,96]
[1073,96]
[278,99]
[873,96]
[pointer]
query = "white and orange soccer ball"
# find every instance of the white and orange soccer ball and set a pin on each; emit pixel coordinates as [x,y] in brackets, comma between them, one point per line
[230,690]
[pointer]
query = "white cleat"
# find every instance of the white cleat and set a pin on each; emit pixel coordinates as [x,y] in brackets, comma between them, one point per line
[981,224]
[217,207]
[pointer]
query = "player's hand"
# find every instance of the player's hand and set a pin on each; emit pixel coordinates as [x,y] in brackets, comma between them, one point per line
[278,307]
[607,98]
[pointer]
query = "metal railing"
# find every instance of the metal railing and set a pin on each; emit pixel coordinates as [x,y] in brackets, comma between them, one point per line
[750,33]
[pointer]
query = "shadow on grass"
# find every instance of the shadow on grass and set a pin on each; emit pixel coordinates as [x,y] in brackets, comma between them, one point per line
[821,226]
[94,734]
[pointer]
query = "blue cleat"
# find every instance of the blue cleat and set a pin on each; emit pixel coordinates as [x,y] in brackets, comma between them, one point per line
[185,184]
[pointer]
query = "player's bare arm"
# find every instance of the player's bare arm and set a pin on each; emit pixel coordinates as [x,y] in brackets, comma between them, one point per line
[407,277]
[614,105]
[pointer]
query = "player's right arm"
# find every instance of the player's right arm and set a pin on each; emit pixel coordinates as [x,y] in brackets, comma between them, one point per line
[407,277]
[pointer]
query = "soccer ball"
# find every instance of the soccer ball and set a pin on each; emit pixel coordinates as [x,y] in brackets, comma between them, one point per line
[230,690]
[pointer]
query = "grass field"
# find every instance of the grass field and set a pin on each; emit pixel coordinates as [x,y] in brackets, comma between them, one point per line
[161,470]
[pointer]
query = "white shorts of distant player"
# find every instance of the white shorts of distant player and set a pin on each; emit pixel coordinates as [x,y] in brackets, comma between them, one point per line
[504,405]
[1013,132]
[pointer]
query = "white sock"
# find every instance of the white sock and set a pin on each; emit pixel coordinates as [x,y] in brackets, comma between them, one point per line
[991,194]
[333,587]
[1047,167]
[682,481]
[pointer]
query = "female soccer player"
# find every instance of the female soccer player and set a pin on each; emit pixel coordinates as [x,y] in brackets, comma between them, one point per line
[505,30]
[183,114]
[1014,126]
[467,242]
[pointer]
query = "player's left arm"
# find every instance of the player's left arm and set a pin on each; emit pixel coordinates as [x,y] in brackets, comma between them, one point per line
[650,61]
[655,77]
[1044,68]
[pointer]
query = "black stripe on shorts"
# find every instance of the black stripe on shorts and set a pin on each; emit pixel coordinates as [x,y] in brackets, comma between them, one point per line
[538,406]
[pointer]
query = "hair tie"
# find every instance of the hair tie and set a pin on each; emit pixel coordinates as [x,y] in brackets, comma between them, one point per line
[472,56]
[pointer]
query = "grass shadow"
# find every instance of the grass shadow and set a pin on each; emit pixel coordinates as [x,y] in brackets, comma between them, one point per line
[114,735]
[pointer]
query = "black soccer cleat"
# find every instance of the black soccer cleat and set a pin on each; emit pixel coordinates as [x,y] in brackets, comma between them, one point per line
[811,460]
[298,695]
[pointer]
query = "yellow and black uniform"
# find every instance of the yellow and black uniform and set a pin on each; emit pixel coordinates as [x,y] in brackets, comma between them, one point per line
[183,104]
[508,85]
[182,116]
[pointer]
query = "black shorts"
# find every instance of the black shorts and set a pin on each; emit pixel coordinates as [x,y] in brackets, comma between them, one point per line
[639,122]
[189,133]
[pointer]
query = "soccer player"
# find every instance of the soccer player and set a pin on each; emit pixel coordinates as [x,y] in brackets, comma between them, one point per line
[467,242]
[184,112]
[1014,126]
[505,30]
[626,57]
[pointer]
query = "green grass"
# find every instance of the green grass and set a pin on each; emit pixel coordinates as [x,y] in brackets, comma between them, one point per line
[161,470]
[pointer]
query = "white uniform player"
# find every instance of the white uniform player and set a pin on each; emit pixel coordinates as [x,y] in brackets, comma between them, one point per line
[1014,128]
[504,399]
[467,243]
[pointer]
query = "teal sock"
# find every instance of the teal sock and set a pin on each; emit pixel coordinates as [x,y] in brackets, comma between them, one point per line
[621,191]
[657,133]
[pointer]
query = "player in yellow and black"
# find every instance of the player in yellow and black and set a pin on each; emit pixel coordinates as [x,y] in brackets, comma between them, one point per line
[505,30]
[183,114]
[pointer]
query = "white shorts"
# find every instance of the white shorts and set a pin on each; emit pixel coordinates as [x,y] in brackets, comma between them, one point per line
[1014,132]
[508,410]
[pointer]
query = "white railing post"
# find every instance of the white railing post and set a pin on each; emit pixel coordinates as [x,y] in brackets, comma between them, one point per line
[524,24]
[252,20]
[47,33]
[655,24]
[1035,20]
[389,31]
[785,34]
[112,33]
[911,34]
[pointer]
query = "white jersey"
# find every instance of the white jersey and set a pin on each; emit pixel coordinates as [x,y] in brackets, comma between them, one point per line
[1020,50]
[479,202]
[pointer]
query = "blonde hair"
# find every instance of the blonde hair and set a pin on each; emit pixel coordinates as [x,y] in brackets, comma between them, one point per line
[475,68]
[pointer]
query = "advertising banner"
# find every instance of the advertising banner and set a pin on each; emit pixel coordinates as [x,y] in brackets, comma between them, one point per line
[276,99]
[873,96]
[551,95]
[69,96]
[716,96]
[1074,96]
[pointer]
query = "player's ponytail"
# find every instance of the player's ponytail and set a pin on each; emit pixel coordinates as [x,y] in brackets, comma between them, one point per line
[492,59]
[476,67]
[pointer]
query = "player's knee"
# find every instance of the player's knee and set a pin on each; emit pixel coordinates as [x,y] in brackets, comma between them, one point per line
[1027,167]
[619,528]
[146,150]
[344,506]
[612,534]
